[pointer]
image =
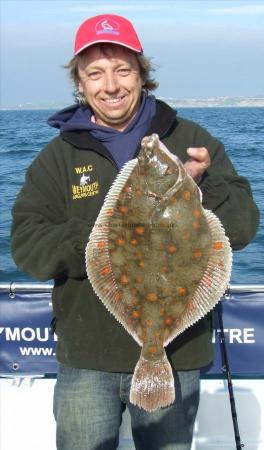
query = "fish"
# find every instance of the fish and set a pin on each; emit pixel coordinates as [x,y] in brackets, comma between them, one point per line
[158,261]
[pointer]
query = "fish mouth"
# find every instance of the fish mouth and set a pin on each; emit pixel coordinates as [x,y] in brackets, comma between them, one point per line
[167,164]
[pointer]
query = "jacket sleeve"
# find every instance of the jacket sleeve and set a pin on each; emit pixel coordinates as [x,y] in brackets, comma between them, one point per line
[227,194]
[45,243]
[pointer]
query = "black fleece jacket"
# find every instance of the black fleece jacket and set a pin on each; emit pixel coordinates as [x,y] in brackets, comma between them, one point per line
[55,211]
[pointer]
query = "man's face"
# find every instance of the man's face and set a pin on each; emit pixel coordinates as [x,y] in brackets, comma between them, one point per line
[111,83]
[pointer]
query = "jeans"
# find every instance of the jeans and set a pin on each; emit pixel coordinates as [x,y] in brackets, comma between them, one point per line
[88,407]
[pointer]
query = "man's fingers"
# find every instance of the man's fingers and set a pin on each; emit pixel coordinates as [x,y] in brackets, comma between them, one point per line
[200,154]
[198,163]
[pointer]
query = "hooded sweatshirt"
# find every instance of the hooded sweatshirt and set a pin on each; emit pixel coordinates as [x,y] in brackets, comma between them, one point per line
[54,213]
[121,144]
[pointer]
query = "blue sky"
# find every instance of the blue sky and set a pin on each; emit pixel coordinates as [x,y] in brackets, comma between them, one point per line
[201,49]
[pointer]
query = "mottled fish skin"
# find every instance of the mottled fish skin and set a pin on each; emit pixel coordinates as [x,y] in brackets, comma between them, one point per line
[158,261]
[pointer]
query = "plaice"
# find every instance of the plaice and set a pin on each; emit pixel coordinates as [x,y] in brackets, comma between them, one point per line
[158,261]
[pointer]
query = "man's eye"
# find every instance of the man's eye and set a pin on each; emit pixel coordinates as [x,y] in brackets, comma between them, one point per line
[124,71]
[94,75]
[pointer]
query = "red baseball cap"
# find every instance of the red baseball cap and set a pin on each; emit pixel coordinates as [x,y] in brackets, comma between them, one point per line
[107,28]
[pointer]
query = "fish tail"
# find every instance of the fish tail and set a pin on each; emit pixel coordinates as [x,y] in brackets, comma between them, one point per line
[152,384]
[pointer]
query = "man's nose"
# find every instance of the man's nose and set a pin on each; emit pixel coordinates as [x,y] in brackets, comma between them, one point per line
[111,83]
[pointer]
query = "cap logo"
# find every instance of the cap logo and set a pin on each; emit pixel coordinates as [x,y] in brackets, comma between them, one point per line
[107,26]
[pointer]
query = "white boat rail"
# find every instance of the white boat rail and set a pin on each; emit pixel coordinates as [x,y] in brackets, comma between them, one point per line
[12,287]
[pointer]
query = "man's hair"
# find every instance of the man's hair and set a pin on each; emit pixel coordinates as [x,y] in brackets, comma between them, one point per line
[145,67]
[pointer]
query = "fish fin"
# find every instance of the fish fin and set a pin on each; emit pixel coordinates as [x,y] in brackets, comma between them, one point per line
[214,281]
[98,264]
[152,385]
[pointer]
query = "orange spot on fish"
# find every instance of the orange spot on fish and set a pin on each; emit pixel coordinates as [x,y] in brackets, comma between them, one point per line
[218,245]
[162,311]
[120,241]
[124,279]
[123,209]
[136,314]
[127,189]
[141,264]
[197,254]
[140,230]
[171,249]
[152,349]
[196,225]
[182,290]
[168,321]
[110,212]
[190,307]
[118,296]
[105,271]
[152,297]
[173,200]
[197,213]
[138,193]
[100,244]
[133,242]
[164,269]
[208,283]
[186,195]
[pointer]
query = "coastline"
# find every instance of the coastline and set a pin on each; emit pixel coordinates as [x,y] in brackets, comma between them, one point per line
[213,102]
[217,102]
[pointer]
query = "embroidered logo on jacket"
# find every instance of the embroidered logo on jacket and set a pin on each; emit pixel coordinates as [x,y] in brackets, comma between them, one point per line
[84,180]
[86,187]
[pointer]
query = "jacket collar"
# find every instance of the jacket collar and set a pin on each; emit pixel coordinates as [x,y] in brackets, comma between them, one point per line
[162,123]
[164,120]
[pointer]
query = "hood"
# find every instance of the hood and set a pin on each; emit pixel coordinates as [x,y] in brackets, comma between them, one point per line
[74,117]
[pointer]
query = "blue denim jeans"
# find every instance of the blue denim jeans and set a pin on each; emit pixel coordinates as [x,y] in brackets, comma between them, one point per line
[88,407]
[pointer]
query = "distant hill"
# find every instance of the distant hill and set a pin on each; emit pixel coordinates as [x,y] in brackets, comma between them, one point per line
[216,102]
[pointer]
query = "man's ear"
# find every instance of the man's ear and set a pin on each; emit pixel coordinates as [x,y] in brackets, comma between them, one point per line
[80,88]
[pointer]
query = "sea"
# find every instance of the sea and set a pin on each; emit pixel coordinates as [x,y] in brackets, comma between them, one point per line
[24,133]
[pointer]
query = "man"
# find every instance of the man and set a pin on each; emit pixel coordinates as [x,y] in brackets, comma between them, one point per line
[64,190]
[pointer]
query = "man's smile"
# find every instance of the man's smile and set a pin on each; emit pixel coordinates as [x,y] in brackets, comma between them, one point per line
[114,99]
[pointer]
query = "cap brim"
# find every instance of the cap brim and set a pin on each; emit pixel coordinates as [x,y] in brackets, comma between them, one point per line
[104,41]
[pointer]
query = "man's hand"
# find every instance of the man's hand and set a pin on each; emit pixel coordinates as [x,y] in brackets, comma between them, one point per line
[198,163]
